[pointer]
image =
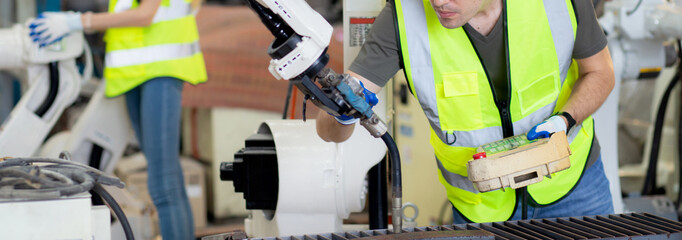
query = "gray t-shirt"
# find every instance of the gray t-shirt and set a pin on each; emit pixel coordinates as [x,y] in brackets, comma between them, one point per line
[379,58]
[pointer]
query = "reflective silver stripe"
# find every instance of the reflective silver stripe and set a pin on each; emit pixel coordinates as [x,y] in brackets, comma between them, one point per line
[137,56]
[177,9]
[123,5]
[455,179]
[524,125]
[479,137]
[419,50]
[482,136]
[562,33]
[472,138]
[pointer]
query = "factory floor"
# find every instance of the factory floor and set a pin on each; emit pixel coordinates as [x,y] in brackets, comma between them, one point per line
[237,224]
[220,226]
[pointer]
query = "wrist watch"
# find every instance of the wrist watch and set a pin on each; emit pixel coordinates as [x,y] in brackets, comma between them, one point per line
[569,119]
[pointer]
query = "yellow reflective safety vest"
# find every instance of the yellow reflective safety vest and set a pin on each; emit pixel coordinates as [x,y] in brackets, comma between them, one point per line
[446,76]
[169,47]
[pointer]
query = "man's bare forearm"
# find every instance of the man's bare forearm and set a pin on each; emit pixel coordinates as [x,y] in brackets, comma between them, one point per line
[141,16]
[592,87]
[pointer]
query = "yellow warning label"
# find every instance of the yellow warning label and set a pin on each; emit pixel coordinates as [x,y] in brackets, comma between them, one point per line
[650,70]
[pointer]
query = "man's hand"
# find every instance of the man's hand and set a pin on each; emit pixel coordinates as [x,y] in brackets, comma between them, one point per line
[370,98]
[546,128]
[51,27]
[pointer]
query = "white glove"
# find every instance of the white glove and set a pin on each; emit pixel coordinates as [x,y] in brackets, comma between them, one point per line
[543,130]
[51,27]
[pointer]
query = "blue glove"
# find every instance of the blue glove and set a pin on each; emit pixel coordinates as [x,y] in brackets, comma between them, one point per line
[370,98]
[51,27]
[547,127]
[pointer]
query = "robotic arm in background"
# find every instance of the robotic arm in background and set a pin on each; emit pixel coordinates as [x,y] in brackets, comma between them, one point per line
[299,55]
[636,32]
[52,83]
[639,30]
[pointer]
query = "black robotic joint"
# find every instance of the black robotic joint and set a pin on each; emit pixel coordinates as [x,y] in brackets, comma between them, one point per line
[281,47]
[254,172]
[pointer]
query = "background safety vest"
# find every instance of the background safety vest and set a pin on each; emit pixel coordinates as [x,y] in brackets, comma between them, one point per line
[446,76]
[169,47]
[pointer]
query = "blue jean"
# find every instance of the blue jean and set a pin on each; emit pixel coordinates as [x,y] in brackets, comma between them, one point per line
[154,109]
[590,197]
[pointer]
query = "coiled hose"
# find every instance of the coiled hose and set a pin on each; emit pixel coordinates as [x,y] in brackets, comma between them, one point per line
[20,179]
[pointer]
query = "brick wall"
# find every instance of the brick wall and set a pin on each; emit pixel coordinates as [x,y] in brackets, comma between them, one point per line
[234,43]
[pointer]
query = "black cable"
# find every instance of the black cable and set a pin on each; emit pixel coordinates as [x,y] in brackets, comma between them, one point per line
[396,174]
[96,162]
[679,130]
[304,107]
[396,181]
[111,202]
[635,9]
[679,158]
[52,92]
[650,178]
[286,102]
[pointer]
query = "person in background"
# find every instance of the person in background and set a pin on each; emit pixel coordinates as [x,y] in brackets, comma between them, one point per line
[152,48]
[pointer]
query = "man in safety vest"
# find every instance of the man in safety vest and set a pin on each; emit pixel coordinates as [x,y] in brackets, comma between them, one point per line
[483,70]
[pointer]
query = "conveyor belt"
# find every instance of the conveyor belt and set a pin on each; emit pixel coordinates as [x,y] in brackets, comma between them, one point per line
[617,226]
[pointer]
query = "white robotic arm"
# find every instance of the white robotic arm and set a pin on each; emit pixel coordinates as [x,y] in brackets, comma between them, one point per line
[99,136]
[650,19]
[53,83]
[636,32]
[309,39]
[299,55]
